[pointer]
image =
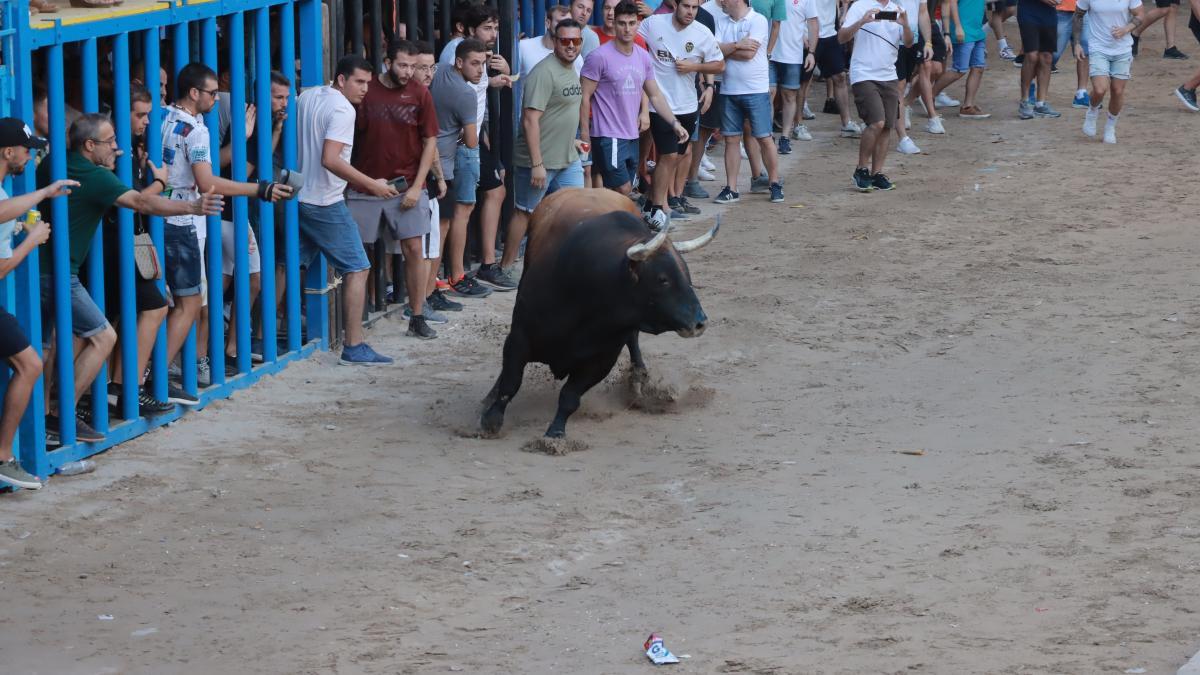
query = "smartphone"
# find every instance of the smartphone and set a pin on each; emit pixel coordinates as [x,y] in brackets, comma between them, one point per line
[400,183]
[886,16]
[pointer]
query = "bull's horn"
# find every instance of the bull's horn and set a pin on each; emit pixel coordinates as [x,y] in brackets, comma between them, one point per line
[699,242]
[642,251]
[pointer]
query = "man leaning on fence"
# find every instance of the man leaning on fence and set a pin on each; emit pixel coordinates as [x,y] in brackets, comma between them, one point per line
[16,140]
[326,128]
[93,151]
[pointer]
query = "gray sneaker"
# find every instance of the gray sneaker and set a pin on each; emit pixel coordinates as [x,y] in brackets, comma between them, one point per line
[203,372]
[1025,110]
[760,184]
[13,475]
[1044,110]
[431,315]
[692,189]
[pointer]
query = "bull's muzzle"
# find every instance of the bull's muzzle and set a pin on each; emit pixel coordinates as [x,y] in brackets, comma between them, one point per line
[697,328]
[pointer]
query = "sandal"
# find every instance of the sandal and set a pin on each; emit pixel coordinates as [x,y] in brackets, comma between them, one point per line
[93,4]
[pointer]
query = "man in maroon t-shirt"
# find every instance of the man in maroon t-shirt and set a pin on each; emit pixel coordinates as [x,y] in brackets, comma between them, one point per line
[395,138]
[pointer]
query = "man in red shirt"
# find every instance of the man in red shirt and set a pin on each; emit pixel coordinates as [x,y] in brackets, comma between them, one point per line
[395,139]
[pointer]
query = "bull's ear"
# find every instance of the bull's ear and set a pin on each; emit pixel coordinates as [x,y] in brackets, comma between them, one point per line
[635,269]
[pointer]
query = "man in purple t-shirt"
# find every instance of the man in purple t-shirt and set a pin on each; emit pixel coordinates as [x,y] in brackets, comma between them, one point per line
[614,78]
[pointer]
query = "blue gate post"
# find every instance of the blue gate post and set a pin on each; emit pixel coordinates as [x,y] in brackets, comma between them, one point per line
[291,233]
[91,104]
[214,252]
[241,257]
[32,437]
[152,63]
[266,171]
[187,356]
[537,15]
[130,376]
[64,339]
[312,75]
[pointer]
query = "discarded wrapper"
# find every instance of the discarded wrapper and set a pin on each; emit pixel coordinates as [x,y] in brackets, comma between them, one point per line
[657,651]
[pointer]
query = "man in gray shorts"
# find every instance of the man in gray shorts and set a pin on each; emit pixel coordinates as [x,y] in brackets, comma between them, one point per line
[395,140]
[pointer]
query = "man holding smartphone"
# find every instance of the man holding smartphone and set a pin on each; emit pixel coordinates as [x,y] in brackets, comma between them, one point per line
[395,138]
[878,28]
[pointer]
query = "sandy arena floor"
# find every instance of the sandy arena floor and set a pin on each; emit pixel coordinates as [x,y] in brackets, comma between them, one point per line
[1022,310]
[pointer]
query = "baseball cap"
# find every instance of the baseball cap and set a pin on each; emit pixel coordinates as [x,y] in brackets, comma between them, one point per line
[14,132]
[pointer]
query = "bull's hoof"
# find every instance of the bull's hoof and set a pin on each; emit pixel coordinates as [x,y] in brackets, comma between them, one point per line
[490,423]
[556,433]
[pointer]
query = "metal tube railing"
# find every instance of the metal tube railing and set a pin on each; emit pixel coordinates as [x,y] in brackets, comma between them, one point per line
[266,171]
[124,243]
[64,340]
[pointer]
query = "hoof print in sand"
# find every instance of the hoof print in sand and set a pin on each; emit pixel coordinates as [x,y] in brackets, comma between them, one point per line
[656,397]
[554,446]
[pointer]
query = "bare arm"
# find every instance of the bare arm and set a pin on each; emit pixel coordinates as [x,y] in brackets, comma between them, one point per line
[470,136]
[15,207]
[585,109]
[205,181]
[774,37]
[1077,26]
[331,160]
[659,101]
[531,124]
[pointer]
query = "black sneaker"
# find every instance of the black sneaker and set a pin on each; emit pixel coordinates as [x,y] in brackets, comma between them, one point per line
[682,205]
[785,145]
[467,287]
[727,196]
[1136,40]
[1020,59]
[495,277]
[83,431]
[881,182]
[1188,97]
[1173,52]
[862,179]
[438,300]
[149,406]
[176,394]
[776,193]
[418,328]
[831,107]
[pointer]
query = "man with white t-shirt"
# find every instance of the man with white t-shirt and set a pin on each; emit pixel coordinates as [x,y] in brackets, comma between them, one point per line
[1110,54]
[679,48]
[873,79]
[532,50]
[325,129]
[793,61]
[742,34]
[831,61]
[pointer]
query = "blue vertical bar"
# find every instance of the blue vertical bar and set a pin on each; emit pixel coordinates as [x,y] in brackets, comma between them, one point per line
[241,253]
[528,21]
[124,243]
[266,171]
[64,348]
[214,253]
[291,232]
[91,104]
[312,74]
[182,48]
[31,440]
[537,14]
[150,58]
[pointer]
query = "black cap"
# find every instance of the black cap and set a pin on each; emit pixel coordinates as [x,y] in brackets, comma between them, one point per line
[14,132]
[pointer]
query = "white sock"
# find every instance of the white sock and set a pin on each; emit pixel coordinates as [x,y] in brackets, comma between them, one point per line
[1003,43]
[1112,119]
[1094,109]
[1040,102]
[1080,92]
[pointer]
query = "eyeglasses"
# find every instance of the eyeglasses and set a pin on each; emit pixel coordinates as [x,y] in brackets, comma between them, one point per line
[567,42]
[111,141]
[426,69]
[212,92]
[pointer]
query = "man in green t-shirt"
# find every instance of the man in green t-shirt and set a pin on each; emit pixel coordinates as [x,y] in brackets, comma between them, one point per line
[92,154]
[547,154]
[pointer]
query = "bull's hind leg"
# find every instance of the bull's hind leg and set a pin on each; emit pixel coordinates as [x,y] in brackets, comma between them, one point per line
[583,378]
[516,355]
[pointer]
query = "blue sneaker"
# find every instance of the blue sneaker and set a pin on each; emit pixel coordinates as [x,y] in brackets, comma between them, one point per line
[361,354]
[727,196]
[785,145]
[1081,100]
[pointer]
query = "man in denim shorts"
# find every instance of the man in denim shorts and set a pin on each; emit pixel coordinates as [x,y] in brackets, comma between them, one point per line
[326,131]
[1110,44]
[968,58]
[742,34]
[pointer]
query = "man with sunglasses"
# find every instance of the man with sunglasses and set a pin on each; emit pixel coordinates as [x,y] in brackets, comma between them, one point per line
[188,160]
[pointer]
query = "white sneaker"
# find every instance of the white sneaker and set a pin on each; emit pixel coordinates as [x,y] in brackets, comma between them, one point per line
[1110,133]
[704,174]
[944,101]
[852,130]
[1089,122]
[656,219]
[807,112]
[707,164]
[934,126]
[908,117]
[801,133]
[908,147]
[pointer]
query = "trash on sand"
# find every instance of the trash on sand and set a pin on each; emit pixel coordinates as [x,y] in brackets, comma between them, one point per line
[105,617]
[657,651]
[331,427]
[914,453]
[1135,671]
[143,632]
[1039,610]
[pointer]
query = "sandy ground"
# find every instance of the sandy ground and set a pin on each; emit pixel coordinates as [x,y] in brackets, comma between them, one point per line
[1022,310]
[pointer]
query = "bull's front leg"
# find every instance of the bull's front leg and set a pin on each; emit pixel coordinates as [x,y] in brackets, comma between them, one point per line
[638,375]
[516,355]
[583,378]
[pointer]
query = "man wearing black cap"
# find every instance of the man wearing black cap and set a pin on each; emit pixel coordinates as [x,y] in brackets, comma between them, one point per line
[16,140]
[93,152]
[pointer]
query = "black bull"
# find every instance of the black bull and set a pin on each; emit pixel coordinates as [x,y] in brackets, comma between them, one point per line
[595,276]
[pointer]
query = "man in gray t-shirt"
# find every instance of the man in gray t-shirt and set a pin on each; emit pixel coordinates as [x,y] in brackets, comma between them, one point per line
[458,139]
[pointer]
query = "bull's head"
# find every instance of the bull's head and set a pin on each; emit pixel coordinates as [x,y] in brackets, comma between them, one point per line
[665,295]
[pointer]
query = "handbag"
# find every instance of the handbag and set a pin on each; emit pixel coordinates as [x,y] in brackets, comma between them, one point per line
[145,256]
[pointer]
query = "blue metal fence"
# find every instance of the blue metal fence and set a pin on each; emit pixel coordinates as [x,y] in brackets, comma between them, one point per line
[74,51]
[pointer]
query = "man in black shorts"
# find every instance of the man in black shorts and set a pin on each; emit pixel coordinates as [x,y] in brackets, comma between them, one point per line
[999,12]
[1038,23]
[1165,9]
[16,140]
